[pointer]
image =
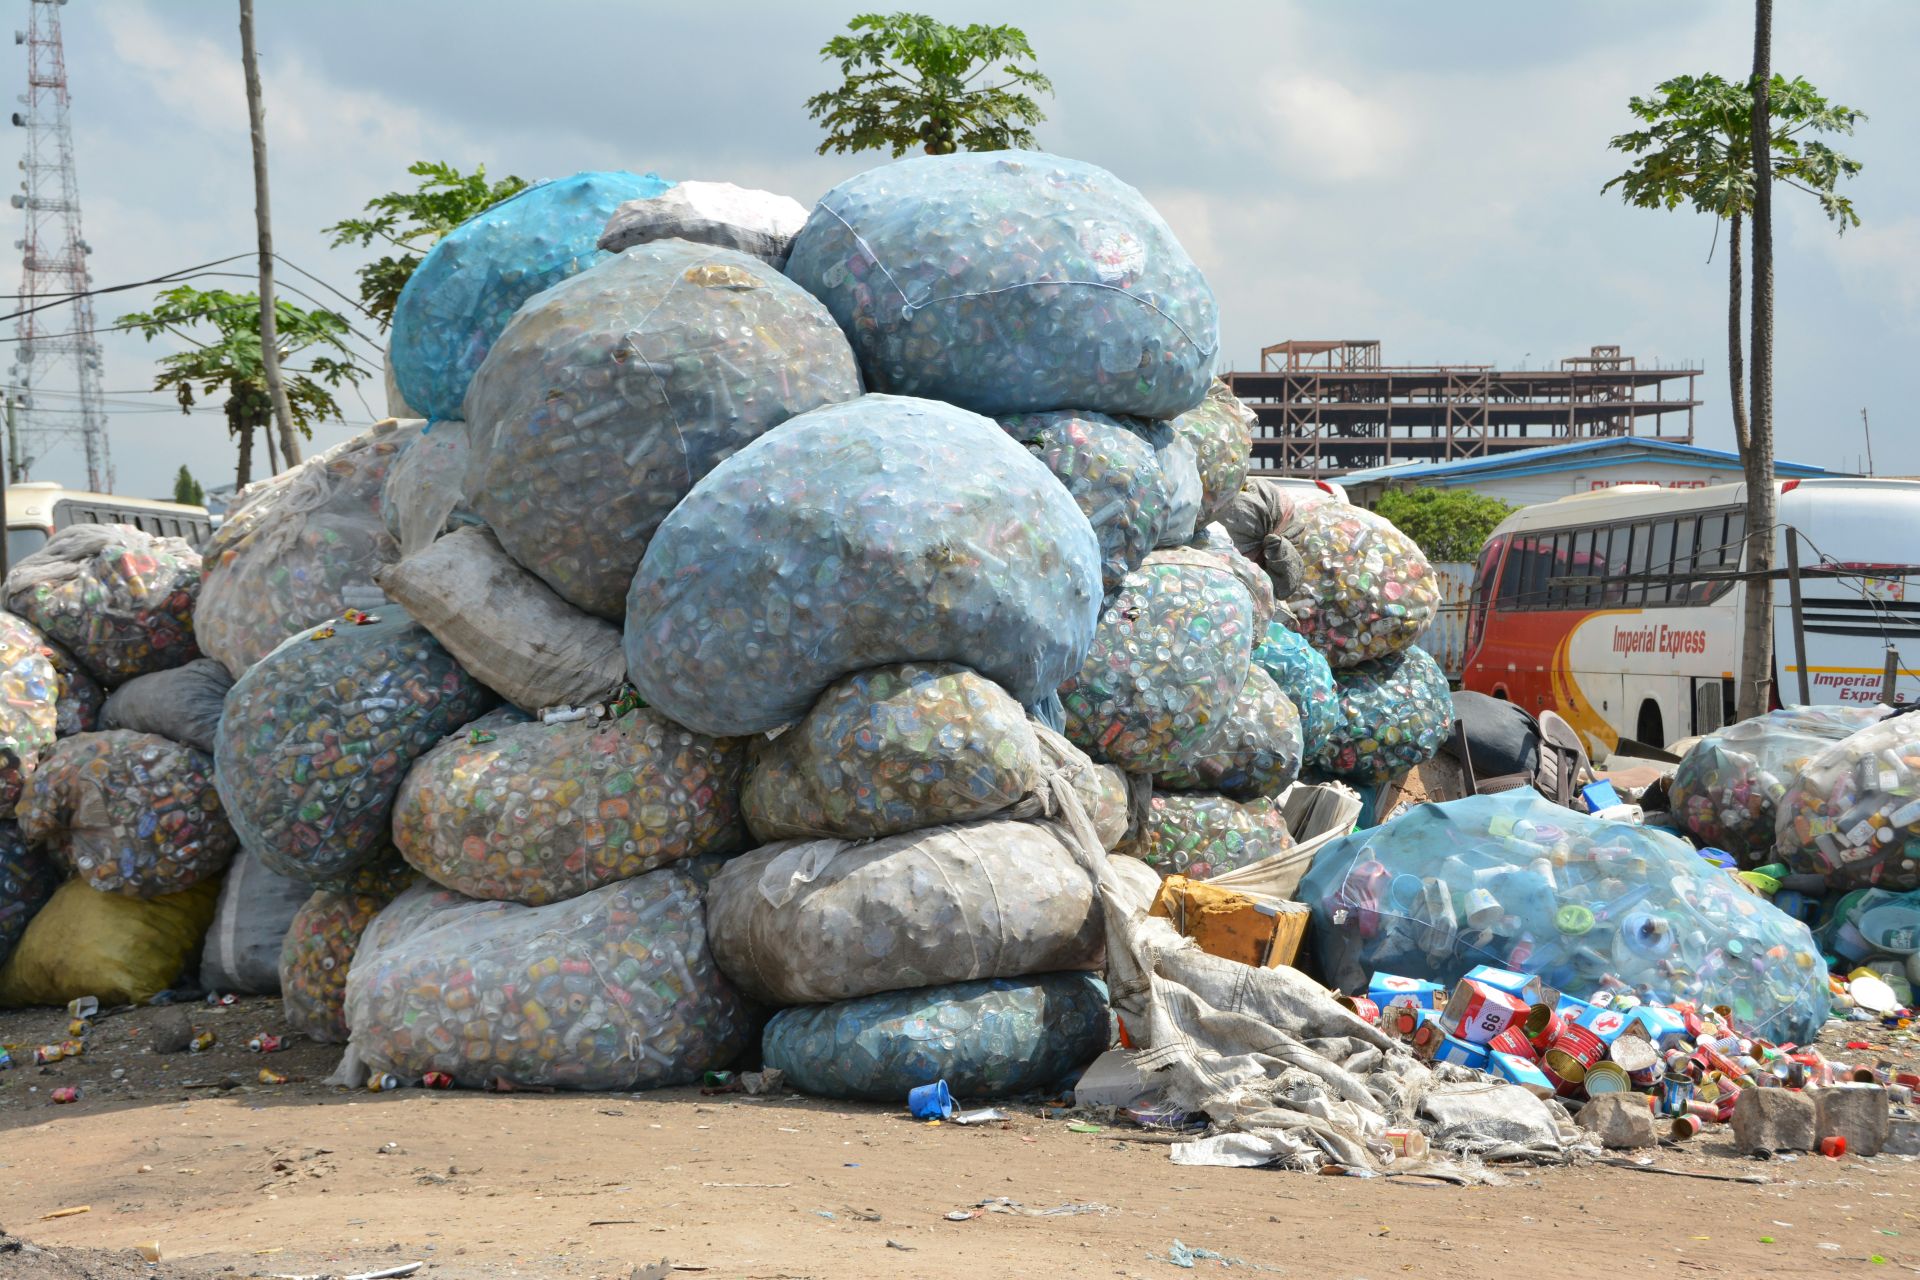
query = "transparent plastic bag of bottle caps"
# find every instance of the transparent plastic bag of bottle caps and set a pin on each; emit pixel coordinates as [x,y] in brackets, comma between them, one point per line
[1180,472]
[1212,549]
[1853,814]
[300,548]
[29,710]
[1202,834]
[317,737]
[1304,676]
[1394,714]
[883,530]
[28,877]
[611,394]
[615,989]
[1220,429]
[997,1038]
[424,494]
[1169,658]
[320,944]
[119,598]
[1254,752]
[1514,881]
[1011,282]
[463,293]
[183,704]
[539,813]
[78,706]
[892,749]
[807,921]
[1112,473]
[1726,792]
[1366,591]
[130,813]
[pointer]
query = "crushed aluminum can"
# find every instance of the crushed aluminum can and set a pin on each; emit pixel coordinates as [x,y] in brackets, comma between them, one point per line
[79,1027]
[269,1076]
[384,1082]
[267,1042]
[46,1053]
[67,1093]
[202,1042]
[84,1006]
[437,1080]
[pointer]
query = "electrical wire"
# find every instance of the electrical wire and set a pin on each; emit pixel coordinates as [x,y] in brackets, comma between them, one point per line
[65,298]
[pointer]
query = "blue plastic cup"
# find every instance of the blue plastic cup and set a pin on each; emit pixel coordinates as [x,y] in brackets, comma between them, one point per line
[931,1101]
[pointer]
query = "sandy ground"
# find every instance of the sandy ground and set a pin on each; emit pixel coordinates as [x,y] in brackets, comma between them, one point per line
[300,1179]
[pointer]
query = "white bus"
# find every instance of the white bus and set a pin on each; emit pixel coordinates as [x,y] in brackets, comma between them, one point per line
[1563,616]
[36,509]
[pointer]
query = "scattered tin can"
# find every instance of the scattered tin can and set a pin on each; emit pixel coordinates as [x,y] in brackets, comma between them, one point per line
[1675,1093]
[1683,1127]
[1524,1072]
[1514,1041]
[46,1053]
[267,1042]
[1407,1143]
[1639,1059]
[1542,1026]
[269,1076]
[79,1027]
[1477,1013]
[383,1082]
[66,1093]
[1461,1052]
[1361,1007]
[1575,1050]
[1606,1077]
[1833,1147]
[437,1080]
[202,1042]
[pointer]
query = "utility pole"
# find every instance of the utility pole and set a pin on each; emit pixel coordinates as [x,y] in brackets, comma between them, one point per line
[6,561]
[263,216]
[1868,428]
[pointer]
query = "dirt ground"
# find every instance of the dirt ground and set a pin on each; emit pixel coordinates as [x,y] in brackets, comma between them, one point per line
[302,1179]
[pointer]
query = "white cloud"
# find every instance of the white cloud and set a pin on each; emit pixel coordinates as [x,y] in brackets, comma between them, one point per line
[1338,134]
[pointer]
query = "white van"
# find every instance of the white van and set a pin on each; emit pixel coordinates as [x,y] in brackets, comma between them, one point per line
[36,509]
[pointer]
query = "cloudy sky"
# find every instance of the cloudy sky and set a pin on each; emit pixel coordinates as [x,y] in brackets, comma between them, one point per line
[1428,175]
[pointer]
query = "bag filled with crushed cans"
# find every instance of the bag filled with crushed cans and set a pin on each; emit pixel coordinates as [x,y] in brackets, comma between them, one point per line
[119,598]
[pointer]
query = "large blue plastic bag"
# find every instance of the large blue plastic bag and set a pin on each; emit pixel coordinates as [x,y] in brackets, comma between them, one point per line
[1111,471]
[1009,282]
[882,530]
[1394,714]
[1513,881]
[1167,662]
[614,989]
[299,548]
[317,737]
[613,392]
[1253,752]
[1727,790]
[469,285]
[991,1039]
[1304,676]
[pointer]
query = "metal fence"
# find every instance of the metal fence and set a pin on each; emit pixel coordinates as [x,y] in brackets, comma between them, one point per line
[1446,637]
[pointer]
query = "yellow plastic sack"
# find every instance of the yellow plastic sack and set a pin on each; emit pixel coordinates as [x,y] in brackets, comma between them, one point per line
[88,943]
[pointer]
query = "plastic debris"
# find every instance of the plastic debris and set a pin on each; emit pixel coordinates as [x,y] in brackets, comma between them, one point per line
[1394,713]
[318,736]
[885,530]
[299,548]
[1366,591]
[129,813]
[1009,282]
[1220,429]
[612,394]
[120,598]
[757,223]
[1727,790]
[1200,835]
[538,813]
[1853,813]
[424,493]
[614,989]
[470,284]
[991,1039]
[1167,662]
[1113,474]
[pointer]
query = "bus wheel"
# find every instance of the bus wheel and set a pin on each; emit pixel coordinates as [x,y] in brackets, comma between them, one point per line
[1651,730]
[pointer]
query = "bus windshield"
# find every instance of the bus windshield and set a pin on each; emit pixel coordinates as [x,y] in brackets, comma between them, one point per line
[23,541]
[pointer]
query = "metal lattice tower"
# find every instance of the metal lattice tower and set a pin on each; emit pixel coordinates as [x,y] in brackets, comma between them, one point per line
[53,265]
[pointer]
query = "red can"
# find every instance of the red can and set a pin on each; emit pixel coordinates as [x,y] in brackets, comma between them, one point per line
[66,1093]
[1542,1026]
[437,1080]
[267,1042]
[1514,1041]
[1573,1051]
[1360,1007]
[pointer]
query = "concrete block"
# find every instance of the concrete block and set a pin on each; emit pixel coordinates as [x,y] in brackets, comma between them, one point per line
[1622,1122]
[1774,1120]
[1113,1081]
[1903,1133]
[1857,1112]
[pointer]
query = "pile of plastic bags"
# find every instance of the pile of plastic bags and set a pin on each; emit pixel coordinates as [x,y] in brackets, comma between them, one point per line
[1853,813]
[1727,791]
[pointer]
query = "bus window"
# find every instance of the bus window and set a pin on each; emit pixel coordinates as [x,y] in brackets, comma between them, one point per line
[1559,565]
[1721,550]
[1683,538]
[1614,590]
[1660,560]
[23,541]
[1635,585]
[1520,557]
[1482,591]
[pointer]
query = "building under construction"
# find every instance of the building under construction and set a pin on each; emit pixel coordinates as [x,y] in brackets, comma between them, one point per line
[1330,407]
